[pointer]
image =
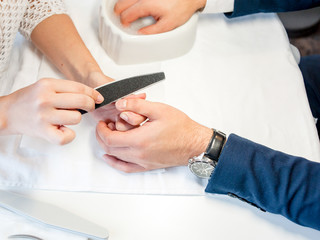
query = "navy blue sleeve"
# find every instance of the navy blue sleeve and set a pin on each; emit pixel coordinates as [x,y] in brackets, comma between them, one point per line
[276,182]
[245,7]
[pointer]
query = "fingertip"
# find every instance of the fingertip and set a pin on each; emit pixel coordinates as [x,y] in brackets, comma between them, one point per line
[121,104]
[111,126]
[100,98]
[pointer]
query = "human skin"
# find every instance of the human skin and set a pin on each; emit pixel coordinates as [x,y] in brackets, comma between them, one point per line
[44,108]
[169,137]
[168,14]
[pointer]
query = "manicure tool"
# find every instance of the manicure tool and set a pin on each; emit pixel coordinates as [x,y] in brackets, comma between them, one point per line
[118,89]
[51,215]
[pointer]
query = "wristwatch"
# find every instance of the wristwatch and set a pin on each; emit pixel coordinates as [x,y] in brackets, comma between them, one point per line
[203,165]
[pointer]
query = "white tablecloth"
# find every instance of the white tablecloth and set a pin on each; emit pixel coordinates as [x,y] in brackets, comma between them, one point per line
[239,77]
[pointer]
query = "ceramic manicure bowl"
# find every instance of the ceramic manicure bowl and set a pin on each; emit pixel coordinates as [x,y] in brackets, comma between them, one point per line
[126,46]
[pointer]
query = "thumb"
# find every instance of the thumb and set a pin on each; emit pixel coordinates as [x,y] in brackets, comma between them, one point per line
[145,108]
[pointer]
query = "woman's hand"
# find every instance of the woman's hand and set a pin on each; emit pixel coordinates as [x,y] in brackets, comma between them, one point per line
[169,14]
[45,107]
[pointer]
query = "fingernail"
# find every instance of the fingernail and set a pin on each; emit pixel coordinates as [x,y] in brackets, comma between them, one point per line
[111,126]
[100,98]
[122,104]
[124,116]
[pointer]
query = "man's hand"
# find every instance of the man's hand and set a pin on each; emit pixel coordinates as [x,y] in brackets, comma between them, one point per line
[110,114]
[169,137]
[169,14]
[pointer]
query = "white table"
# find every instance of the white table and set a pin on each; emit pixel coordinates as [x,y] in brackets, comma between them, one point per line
[276,122]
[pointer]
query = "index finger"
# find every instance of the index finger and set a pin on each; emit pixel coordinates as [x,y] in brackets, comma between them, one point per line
[68,86]
[135,12]
[122,5]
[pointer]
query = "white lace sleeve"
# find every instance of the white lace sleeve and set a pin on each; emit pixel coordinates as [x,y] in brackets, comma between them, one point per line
[37,11]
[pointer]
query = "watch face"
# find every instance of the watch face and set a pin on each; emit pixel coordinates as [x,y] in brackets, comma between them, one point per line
[202,169]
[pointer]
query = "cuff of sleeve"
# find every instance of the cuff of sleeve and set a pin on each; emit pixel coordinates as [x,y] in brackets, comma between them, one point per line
[230,172]
[218,6]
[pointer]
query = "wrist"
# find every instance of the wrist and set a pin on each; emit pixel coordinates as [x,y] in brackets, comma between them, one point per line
[200,141]
[86,74]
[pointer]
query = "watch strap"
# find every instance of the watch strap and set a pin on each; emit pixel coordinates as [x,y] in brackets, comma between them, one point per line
[215,145]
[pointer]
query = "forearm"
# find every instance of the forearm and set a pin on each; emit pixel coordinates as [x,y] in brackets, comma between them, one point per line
[3,115]
[58,39]
[274,181]
[245,7]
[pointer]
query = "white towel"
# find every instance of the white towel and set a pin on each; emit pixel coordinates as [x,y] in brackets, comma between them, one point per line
[240,77]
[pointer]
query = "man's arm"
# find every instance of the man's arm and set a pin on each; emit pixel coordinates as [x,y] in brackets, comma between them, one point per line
[272,180]
[245,7]
[277,182]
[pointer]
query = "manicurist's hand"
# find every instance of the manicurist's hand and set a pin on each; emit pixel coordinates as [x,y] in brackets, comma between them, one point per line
[45,107]
[169,137]
[168,14]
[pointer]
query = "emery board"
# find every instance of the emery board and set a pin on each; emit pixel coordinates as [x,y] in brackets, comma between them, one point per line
[118,89]
[51,216]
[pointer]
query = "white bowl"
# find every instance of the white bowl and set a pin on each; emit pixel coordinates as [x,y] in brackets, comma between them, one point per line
[126,46]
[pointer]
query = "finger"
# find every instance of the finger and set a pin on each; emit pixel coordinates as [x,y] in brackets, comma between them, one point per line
[65,117]
[121,125]
[107,137]
[148,109]
[140,95]
[119,152]
[122,5]
[112,126]
[133,13]
[74,101]
[160,26]
[132,118]
[60,135]
[122,165]
[67,86]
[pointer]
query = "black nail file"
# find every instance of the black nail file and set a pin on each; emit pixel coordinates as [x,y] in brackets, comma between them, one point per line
[118,89]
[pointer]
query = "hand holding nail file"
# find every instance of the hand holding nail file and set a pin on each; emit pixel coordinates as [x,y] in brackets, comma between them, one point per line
[51,216]
[118,89]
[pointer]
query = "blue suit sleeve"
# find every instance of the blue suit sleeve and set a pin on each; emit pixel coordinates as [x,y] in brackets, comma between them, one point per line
[274,181]
[245,7]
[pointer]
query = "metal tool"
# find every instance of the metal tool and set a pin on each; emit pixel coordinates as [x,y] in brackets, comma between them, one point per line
[51,216]
[118,89]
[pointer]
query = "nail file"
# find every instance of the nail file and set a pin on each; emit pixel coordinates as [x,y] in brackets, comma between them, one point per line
[51,216]
[118,89]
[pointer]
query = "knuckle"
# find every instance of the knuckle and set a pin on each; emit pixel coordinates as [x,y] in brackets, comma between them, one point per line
[43,83]
[141,155]
[40,118]
[42,102]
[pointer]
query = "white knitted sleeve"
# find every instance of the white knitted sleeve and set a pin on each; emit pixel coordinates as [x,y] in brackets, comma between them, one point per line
[37,11]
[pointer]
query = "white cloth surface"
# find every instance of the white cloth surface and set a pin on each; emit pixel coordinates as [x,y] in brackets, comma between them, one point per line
[240,77]
[12,224]
[218,6]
